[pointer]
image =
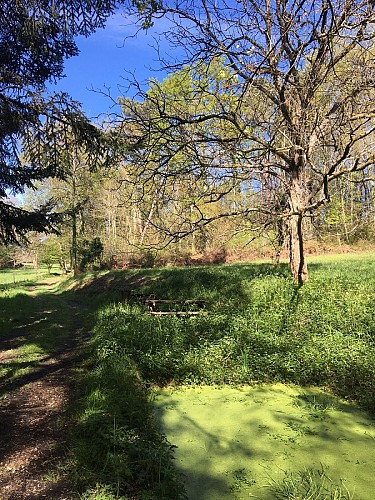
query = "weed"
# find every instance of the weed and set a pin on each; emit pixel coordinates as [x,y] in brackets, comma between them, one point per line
[300,429]
[316,404]
[308,484]
[101,492]
[298,340]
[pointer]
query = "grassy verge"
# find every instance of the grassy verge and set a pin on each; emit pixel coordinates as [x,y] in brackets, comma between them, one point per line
[118,449]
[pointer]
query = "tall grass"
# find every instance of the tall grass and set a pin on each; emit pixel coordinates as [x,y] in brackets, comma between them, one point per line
[259,328]
[118,447]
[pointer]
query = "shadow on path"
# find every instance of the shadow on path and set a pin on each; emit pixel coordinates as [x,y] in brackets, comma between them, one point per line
[35,393]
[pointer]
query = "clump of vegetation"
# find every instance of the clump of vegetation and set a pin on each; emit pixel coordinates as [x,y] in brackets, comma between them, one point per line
[311,484]
[118,448]
[260,328]
[90,252]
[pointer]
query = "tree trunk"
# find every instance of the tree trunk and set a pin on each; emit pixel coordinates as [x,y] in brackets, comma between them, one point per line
[74,249]
[298,265]
[35,262]
[74,264]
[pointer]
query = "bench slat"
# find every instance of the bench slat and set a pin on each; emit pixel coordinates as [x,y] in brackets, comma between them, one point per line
[176,313]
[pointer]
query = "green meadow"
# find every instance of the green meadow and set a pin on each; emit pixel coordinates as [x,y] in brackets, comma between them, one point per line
[11,277]
[269,393]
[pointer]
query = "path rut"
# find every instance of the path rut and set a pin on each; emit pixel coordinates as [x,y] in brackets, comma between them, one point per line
[32,426]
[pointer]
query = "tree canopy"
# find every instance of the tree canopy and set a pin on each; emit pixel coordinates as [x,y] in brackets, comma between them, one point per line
[267,105]
[303,79]
[35,39]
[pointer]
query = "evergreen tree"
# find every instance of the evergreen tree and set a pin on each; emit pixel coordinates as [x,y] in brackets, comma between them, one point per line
[36,36]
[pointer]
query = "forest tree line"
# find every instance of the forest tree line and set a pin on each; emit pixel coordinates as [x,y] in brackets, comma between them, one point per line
[261,136]
[125,220]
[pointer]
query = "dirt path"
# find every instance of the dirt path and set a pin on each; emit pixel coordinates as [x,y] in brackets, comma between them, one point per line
[32,431]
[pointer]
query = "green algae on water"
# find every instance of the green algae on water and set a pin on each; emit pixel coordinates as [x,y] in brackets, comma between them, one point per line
[251,442]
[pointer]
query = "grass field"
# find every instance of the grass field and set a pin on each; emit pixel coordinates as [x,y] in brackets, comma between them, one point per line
[17,276]
[271,390]
[260,329]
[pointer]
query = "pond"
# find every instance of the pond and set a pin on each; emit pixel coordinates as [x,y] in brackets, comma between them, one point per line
[268,442]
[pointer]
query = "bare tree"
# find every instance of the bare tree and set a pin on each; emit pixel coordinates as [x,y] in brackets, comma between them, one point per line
[302,75]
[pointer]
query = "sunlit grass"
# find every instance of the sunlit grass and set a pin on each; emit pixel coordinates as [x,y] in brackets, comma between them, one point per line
[16,276]
[260,328]
[360,258]
[32,324]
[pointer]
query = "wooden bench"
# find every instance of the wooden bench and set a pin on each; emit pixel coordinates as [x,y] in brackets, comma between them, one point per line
[163,307]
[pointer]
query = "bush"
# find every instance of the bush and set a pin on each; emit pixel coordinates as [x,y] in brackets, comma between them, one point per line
[90,253]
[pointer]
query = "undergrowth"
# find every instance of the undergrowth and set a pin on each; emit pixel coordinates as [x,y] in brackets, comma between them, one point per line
[259,328]
[118,450]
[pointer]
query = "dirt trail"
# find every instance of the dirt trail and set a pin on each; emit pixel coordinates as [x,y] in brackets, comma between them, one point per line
[32,432]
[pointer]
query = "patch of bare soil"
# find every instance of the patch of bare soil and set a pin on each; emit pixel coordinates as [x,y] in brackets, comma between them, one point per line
[32,431]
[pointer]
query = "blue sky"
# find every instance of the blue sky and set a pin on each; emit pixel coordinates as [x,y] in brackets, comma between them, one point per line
[104,62]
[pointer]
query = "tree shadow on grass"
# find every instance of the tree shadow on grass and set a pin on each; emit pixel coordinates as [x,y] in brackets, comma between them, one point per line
[35,370]
[220,285]
[32,320]
[48,325]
